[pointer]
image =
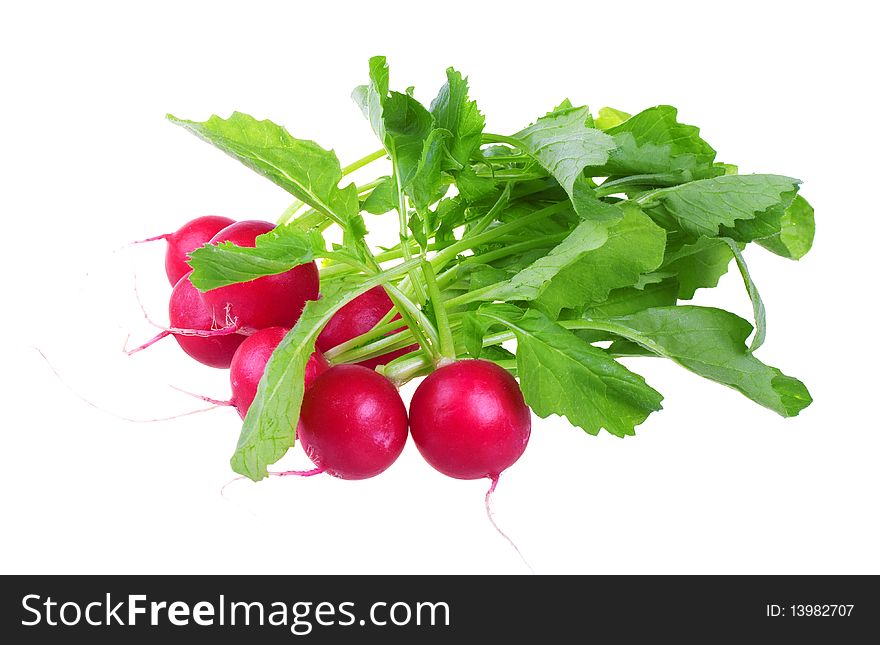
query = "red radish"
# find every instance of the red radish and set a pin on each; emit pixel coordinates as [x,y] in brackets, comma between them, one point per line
[469,420]
[250,360]
[187,310]
[192,325]
[269,301]
[358,317]
[352,423]
[187,239]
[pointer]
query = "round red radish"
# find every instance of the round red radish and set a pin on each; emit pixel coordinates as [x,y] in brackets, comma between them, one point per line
[353,422]
[469,419]
[269,301]
[187,310]
[358,317]
[188,238]
[249,363]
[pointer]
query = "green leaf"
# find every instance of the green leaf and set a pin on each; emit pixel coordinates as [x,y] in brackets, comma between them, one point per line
[698,265]
[529,283]
[383,198]
[301,167]
[758,310]
[711,343]
[473,329]
[743,207]
[270,425]
[407,131]
[565,142]
[408,124]
[609,117]
[427,185]
[590,262]
[653,141]
[561,374]
[455,112]
[795,237]
[416,226]
[497,354]
[274,252]
[634,246]
[371,98]
[628,300]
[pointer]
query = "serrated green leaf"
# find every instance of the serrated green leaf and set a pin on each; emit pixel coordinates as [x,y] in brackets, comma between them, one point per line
[427,185]
[698,265]
[609,117]
[711,343]
[565,142]
[408,133]
[653,141]
[383,198]
[274,252]
[473,329]
[628,300]
[416,226]
[743,207]
[301,167]
[561,374]
[370,98]
[635,246]
[795,237]
[455,112]
[529,283]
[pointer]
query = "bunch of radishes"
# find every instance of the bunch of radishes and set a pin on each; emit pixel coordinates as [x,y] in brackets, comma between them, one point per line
[468,418]
[526,266]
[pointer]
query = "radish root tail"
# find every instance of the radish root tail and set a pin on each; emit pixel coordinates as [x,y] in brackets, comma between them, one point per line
[490,515]
[298,473]
[116,415]
[152,239]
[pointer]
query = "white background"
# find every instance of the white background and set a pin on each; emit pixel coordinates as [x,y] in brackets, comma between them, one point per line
[713,483]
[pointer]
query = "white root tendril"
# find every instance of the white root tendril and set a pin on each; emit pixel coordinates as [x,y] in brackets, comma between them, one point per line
[116,415]
[491,517]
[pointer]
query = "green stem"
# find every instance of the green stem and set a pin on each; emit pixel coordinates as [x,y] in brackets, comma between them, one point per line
[410,313]
[490,216]
[505,159]
[620,185]
[407,309]
[488,137]
[405,369]
[379,331]
[484,222]
[391,254]
[448,276]
[363,161]
[512,176]
[447,344]
[404,235]
[376,348]
[470,296]
[468,242]
[290,211]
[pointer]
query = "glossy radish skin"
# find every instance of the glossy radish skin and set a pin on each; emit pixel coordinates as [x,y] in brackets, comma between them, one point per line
[352,422]
[358,317]
[249,363]
[192,235]
[270,301]
[187,310]
[469,419]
